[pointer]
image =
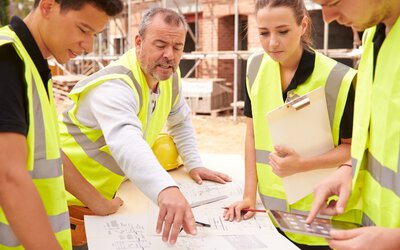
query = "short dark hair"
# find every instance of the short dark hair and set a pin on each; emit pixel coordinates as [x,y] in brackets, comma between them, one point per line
[110,7]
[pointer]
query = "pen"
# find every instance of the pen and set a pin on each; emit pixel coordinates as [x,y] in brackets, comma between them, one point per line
[249,210]
[200,224]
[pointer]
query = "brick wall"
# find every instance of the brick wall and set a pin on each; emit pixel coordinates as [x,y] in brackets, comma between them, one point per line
[216,33]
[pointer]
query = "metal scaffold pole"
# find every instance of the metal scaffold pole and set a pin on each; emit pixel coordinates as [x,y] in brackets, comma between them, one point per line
[235,62]
[326,37]
[129,35]
[196,26]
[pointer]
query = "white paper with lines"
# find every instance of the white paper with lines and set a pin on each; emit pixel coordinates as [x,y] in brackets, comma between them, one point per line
[127,232]
[260,223]
[209,192]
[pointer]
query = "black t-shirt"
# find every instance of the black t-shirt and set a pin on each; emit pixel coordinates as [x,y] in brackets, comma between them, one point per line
[378,39]
[13,97]
[304,70]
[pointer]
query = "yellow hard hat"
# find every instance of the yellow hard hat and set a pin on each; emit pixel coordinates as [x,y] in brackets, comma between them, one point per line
[165,150]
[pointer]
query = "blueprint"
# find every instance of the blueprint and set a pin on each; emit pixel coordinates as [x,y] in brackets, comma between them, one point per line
[218,226]
[128,232]
[209,191]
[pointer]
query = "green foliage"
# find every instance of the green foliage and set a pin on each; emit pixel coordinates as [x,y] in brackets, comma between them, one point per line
[9,8]
[4,18]
[22,7]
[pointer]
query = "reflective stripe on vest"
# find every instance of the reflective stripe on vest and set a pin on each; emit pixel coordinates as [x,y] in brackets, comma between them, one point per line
[43,168]
[386,177]
[264,87]
[278,204]
[376,149]
[253,67]
[332,86]
[38,166]
[6,38]
[262,156]
[57,223]
[366,221]
[175,89]
[273,203]
[87,148]
[92,149]
[118,69]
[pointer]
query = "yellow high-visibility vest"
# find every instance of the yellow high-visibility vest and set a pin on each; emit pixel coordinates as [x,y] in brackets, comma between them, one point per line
[86,147]
[376,134]
[43,161]
[264,89]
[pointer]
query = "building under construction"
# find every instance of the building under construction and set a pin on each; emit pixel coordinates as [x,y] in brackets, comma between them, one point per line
[222,34]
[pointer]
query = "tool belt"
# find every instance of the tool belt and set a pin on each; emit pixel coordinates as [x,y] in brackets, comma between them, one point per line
[76,216]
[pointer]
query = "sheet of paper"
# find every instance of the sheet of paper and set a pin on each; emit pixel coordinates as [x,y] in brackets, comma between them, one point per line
[234,242]
[128,232]
[208,191]
[214,217]
[117,232]
[308,132]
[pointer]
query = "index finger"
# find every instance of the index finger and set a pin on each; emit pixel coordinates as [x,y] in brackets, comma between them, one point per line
[317,205]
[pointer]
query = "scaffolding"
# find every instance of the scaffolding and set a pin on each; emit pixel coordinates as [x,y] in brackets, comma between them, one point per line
[109,47]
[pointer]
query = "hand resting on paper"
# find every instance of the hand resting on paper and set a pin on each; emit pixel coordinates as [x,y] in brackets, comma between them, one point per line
[234,211]
[201,173]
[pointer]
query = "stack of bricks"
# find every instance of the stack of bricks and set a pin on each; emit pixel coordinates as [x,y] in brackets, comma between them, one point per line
[62,85]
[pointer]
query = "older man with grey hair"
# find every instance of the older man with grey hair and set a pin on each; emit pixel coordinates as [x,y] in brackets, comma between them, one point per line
[118,112]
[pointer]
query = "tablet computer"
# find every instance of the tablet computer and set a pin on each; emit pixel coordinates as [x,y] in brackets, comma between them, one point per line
[320,227]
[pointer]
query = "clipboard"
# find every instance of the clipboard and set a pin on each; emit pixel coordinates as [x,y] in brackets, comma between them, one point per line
[303,124]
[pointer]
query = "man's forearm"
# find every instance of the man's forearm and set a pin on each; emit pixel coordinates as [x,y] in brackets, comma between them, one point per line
[79,187]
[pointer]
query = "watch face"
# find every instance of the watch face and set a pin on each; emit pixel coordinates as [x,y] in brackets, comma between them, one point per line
[296,223]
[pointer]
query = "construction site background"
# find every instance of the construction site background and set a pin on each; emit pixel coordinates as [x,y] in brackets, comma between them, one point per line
[222,35]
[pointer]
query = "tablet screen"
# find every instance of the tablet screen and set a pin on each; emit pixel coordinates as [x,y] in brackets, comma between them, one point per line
[296,223]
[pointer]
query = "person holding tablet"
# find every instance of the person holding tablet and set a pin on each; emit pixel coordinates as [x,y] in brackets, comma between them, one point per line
[376,148]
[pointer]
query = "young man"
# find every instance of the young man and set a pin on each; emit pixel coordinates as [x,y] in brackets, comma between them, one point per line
[33,212]
[119,111]
[376,134]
